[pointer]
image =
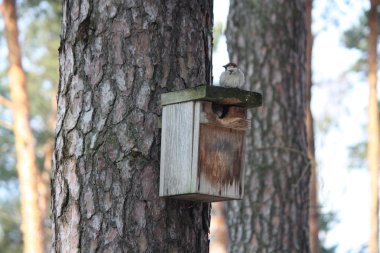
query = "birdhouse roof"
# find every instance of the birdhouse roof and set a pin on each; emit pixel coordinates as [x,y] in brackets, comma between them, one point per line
[217,94]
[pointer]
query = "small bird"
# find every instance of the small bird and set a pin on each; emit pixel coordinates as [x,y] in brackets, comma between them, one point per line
[232,76]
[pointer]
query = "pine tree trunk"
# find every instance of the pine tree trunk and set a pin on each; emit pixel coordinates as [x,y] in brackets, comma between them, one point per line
[116,58]
[31,225]
[218,229]
[268,41]
[373,129]
[314,205]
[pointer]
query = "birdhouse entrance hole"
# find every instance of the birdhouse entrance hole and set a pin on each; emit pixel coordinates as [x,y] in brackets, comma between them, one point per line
[220,110]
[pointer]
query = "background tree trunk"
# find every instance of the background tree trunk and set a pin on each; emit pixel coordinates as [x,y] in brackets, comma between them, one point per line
[218,229]
[116,58]
[31,225]
[314,205]
[44,179]
[268,41]
[373,128]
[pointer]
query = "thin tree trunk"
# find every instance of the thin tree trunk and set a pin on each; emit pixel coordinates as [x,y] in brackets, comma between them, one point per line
[373,129]
[116,58]
[218,229]
[314,205]
[44,179]
[44,190]
[268,41]
[31,225]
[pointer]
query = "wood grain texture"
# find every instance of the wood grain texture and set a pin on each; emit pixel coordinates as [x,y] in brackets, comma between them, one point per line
[196,131]
[177,149]
[201,155]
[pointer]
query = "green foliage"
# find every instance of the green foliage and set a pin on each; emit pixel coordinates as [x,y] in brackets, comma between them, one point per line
[325,124]
[326,221]
[356,36]
[331,249]
[358,155]
[40,48]
[10,234]
[7,162]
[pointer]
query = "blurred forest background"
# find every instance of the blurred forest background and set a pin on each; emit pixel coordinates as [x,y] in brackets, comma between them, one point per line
[39,27]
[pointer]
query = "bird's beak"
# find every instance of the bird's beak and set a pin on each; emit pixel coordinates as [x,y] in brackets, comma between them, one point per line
[225,66]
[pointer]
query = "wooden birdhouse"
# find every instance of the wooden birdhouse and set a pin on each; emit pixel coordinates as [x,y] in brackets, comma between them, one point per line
[203,141]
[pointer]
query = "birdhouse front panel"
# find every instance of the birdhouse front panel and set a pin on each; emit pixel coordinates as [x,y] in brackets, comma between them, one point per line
[220,161]
[221,146]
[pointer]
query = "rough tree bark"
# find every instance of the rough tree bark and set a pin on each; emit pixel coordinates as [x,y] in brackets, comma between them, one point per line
[314,205]
[268,41]
[31,224]
[373,129]
[116,58]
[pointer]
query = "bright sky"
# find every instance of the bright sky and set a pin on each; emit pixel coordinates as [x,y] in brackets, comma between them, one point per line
[344,99]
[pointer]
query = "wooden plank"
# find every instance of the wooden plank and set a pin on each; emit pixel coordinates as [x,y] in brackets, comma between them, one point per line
[176,149]
[217,94]
[220,157]
[195,154]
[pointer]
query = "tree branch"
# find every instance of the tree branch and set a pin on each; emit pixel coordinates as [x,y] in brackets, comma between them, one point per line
[5,102]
